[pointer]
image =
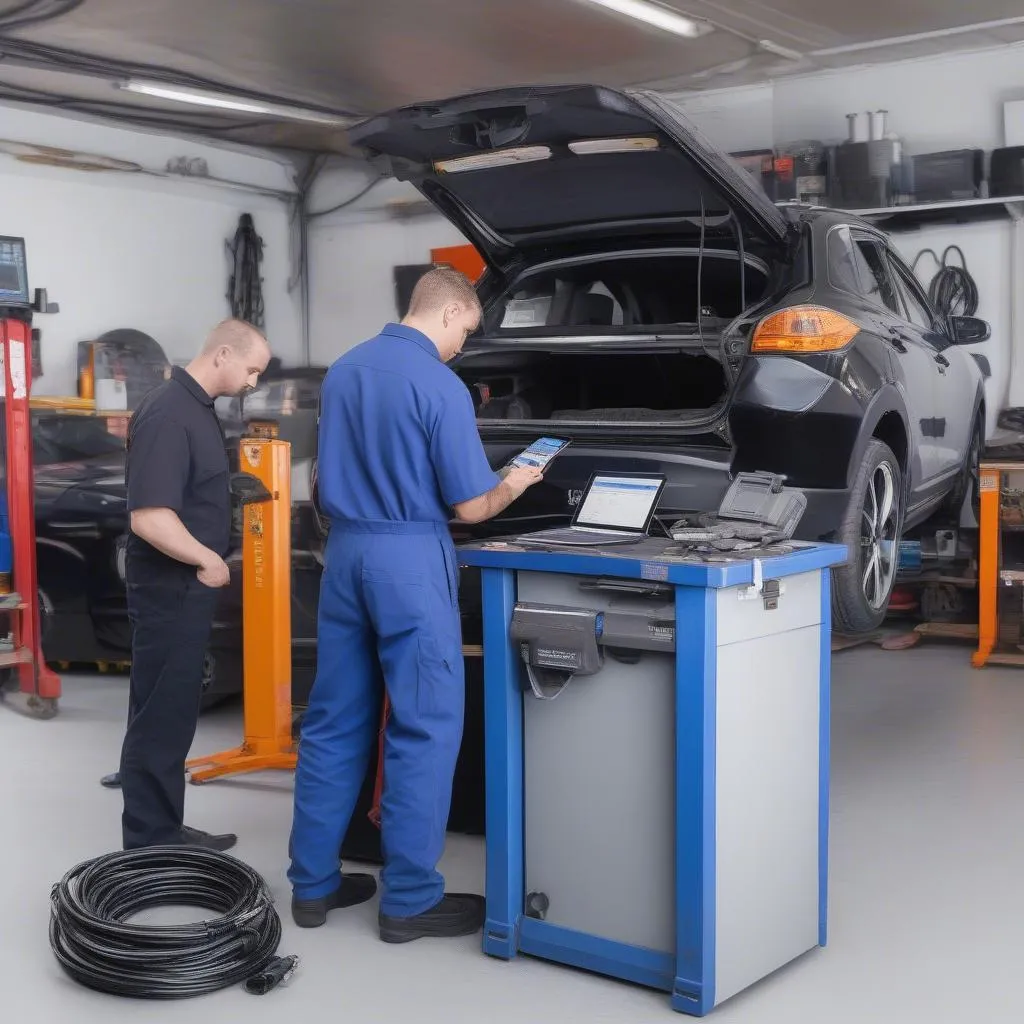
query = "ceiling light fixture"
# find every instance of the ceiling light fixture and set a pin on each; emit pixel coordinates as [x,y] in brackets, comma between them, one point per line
[658,16]
[225,101]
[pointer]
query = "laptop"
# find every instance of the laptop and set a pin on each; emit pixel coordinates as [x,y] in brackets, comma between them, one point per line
[616,508]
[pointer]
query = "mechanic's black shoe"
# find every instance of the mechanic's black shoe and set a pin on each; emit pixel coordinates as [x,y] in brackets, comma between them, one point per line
[111,781]
[457,914]
[194,837]
[354,889]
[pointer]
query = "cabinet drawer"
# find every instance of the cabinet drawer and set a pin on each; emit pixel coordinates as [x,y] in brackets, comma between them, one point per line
[742,619]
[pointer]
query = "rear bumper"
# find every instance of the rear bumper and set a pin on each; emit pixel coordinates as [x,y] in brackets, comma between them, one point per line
[824,514]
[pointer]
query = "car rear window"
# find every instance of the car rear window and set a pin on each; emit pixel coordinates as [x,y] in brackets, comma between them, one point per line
[626,292]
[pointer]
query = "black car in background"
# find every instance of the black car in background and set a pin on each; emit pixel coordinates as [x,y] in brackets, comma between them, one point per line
[646,300]
[82,523]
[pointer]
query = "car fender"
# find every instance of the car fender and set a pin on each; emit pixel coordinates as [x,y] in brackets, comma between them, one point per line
[887,400]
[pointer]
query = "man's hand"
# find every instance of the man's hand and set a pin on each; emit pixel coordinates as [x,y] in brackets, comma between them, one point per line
[214,573]
[521,478]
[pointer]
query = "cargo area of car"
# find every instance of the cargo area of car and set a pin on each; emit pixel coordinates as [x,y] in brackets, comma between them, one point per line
[613,339]
[594,387]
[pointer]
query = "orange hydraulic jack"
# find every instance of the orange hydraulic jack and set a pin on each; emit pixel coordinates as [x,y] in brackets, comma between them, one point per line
[266,620]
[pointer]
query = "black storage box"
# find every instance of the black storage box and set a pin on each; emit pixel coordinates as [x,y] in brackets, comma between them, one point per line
[950,176]
[1006,177]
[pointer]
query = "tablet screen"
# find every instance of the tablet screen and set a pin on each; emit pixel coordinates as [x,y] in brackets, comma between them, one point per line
[540,453]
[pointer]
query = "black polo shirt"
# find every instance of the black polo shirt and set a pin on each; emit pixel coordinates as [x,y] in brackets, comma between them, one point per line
[177,459]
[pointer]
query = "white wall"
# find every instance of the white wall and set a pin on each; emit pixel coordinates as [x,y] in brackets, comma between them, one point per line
[352,255]
[130,250]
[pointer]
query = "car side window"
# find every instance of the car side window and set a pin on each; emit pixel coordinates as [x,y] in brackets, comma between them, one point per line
[918,312]
[876,279]
[842,261]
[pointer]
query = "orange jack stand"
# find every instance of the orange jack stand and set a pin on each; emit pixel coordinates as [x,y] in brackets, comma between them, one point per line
[990,487]
[266,622]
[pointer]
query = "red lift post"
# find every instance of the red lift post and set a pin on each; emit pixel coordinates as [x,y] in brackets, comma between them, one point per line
[38,687]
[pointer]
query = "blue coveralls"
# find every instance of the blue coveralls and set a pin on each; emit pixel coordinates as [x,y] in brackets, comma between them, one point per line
[398,447]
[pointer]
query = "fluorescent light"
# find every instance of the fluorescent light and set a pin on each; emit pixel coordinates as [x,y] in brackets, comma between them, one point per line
[660,17]
[225,101]
[496,158]
[632,144]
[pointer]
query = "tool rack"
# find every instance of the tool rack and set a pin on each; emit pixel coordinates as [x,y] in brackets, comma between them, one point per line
[34,688]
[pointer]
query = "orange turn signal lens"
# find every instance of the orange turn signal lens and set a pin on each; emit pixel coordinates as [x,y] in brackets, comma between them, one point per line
[804,330]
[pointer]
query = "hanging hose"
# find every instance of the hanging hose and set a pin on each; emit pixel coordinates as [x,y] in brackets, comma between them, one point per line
[90,936]
[953,292]
[245,288]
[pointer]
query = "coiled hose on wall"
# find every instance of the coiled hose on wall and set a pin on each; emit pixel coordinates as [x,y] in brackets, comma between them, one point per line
[245,287]
[90,933]
[953,292]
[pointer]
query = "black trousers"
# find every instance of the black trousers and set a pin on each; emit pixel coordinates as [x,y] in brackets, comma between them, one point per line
[171,614]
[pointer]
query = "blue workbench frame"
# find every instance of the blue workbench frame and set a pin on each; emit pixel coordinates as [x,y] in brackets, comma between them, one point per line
[688,971]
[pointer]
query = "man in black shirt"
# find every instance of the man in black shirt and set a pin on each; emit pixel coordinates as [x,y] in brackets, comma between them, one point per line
[179,501]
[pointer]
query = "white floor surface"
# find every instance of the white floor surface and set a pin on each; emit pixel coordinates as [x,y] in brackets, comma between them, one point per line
[927,861]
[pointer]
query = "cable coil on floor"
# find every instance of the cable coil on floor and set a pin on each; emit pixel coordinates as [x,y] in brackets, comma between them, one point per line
[90,933]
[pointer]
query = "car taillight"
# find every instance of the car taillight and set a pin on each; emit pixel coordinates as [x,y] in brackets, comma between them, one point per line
[804,330]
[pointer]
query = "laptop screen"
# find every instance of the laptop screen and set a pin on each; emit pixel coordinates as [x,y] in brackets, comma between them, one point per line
[620,502]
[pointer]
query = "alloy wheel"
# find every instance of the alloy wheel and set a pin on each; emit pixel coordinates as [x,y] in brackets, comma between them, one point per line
[879,542]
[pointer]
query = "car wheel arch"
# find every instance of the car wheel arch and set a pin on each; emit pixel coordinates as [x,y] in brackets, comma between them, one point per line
[886,421]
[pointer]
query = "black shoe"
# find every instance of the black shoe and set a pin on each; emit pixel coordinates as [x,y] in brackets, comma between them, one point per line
[354,889]
[457,914]
[111,781]
[193,837]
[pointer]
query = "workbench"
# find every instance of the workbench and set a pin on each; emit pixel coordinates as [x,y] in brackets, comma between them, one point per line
[665,819]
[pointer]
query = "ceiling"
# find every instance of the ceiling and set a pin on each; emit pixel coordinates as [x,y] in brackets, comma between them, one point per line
[353,58]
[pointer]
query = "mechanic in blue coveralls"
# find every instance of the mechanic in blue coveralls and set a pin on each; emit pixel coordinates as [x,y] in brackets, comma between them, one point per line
[399,452]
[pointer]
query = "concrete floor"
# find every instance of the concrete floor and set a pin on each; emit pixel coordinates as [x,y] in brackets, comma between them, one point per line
[926,907]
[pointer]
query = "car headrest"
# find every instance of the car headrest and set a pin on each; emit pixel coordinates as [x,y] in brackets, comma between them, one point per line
[591,308]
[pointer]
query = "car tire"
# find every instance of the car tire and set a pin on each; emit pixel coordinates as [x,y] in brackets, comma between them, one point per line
[871,531]
[968,482]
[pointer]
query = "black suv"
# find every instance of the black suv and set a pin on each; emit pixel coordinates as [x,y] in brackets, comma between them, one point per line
[645,299]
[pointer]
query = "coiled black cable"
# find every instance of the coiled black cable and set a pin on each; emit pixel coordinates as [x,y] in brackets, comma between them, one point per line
[90,935]
[953,292]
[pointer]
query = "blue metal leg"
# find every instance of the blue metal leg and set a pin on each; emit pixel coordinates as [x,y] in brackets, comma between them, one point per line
[503,739]
[824,753]
[696,632]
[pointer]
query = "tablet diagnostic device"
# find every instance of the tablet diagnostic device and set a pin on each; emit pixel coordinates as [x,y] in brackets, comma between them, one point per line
[540,453]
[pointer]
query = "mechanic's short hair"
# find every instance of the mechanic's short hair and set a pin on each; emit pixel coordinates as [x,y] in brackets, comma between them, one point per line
[439,287]
[236,335]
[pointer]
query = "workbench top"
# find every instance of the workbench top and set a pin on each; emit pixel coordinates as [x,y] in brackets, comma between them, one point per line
[657,559]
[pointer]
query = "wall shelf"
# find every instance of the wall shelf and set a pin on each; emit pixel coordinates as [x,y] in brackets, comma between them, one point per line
[961,211]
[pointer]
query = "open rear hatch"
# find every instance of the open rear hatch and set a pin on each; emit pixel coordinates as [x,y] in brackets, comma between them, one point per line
[523,170]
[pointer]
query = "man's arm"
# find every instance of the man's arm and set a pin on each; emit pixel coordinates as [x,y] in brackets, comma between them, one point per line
[492,503]
[157,472]
[462,468]
[162,528]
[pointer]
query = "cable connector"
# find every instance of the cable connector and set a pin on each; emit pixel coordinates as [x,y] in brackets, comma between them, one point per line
[279,970]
